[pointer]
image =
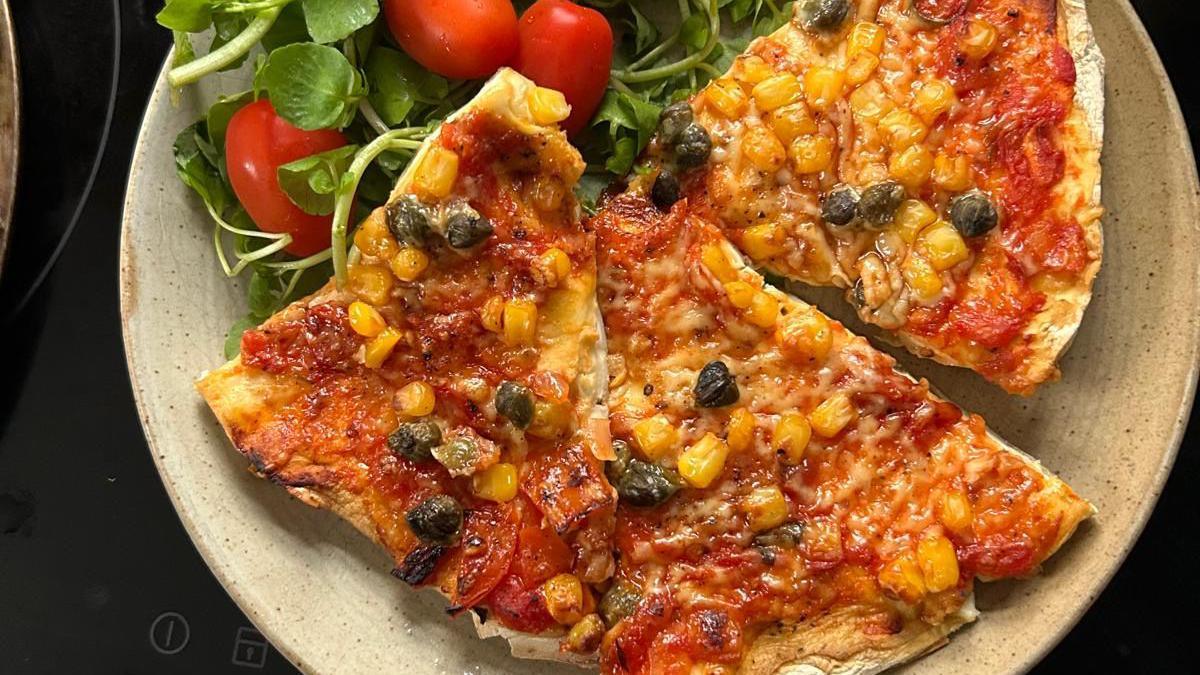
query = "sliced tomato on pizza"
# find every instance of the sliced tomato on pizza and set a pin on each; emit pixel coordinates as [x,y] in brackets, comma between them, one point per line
[938,160]
[787,497]
[449,400]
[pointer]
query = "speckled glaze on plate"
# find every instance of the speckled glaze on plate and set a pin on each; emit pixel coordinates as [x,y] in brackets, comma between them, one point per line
[322,594]
[10,127]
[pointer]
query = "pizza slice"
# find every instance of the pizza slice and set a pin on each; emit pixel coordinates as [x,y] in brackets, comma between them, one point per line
[938,159]
[449,401]
[789,501]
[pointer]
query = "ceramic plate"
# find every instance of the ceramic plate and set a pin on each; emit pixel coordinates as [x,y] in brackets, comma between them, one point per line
[322,594]
[10,116]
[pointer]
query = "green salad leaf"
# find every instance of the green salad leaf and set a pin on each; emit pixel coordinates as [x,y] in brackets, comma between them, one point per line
[333,20]
[289,28]
[400,87]
[312,182]
[195,168]
[189,16]
[311,86]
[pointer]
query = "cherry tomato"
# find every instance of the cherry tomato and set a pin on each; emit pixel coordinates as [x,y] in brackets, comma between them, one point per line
[455,38]
[257,143]
[569,48]
[489,540]
[520,608]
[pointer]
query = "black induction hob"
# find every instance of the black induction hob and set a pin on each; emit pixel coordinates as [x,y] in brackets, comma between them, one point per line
[96,573]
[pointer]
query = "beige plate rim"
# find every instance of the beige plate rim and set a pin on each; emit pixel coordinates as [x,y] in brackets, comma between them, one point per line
[10,115]
[1020,663]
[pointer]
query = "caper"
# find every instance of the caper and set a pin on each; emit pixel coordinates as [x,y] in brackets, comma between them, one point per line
[465,228]
[619,601]
[879,203]
[408,221]
[617,467]
[436,520]
[858,294]
[787,535]
[840,206]
[694,146]
[645,484]
[973,214]
[715,386]
[665,190]
[415,440]
[822,15]
[673,120]
[458,456]
[515,401]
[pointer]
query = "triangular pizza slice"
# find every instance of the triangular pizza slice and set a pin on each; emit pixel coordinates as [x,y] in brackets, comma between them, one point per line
[449,400]
[938,160]
[787,497]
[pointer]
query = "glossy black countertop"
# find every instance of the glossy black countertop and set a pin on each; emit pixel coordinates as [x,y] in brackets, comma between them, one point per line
[96,572]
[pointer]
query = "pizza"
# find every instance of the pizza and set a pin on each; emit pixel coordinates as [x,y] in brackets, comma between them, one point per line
[938,159]
[449,400]
[787,497]
[610,441]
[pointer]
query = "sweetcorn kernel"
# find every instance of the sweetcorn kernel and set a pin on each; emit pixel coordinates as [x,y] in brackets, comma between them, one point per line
[727,97]
[807,334]
[655,436]
[777,91]
[380,347]
[792,433]
[437,172]
[763,241]
[416,399]
[764,150]
[372,283]
[901,129]
[865,36]
[823,86]
[860,68]
[763,311]
[979,39]
[932,99]
[491,315]
[951,173]
[740,293]
[701,463]
[739,432]
[943,246]
[792,121]
[548,106]
[751,70]
[497,483]
[903,578]
[911,166]
[921,277]
[832,415]
[939,564]
[717,263]
[409,263]
[871,102]
[564,598]
[365,319]
[520,322]
[551,267]
[956,512]
[912,217]
[373,238]
[811,153]
[765,508]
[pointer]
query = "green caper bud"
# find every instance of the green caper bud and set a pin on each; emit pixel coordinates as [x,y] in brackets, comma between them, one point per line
[408,221]
[665,190]
[715,386]
[415,440]
[645,484]
[694,146]
[840,206]
[617,467]
[879,203]
[436,520]
[973,214]
[515,401]
[822,16]
[787,535]
[458,456]
[620,601]
[858,294]
[465,228]
[673,120]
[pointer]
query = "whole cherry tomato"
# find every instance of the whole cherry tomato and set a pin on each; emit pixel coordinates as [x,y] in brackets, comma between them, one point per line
[455,38]
[569,48]
[257,143]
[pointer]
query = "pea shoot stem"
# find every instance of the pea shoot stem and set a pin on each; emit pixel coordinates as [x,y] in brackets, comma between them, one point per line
[226,53]
[631,76]
[400,139]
